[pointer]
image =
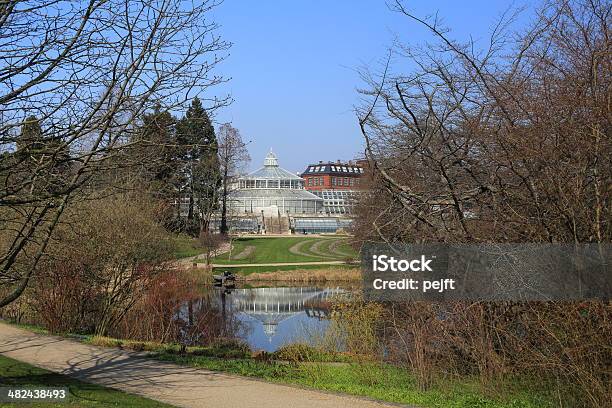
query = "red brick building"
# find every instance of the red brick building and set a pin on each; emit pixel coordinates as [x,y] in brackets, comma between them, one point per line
[337,183]
[333,176]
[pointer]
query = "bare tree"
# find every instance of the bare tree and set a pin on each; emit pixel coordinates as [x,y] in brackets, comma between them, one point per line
[87,71]
[506,143]
[509,142]
[233,157]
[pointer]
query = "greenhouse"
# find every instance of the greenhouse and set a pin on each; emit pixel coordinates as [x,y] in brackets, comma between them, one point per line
[273,191]
[320,225]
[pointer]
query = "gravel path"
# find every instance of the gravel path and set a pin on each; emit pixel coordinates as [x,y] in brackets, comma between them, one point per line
[170,383]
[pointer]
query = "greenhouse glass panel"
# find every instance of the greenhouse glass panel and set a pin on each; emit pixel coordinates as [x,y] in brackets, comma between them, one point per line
[315,225]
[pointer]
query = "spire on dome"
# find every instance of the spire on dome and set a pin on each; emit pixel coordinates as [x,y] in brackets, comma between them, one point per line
[271,159]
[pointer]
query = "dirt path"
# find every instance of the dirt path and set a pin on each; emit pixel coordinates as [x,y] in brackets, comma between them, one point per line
[297,249]
[316,249]
[190,260]
[245,253]
[166,382]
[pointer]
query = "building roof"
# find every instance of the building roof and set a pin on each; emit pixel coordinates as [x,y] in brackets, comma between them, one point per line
[271,170]
[344,169]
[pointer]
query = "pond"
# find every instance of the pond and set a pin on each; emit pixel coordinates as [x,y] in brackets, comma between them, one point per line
[271,317]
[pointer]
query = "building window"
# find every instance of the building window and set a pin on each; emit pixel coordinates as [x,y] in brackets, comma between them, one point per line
[333,181]
[310,181]
[352,181]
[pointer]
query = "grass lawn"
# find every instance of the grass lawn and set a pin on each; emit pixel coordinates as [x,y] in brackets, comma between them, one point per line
[345,248]
[273,250]
[325,246]
[382,382]
[17,374]
[247,270]
[186,246]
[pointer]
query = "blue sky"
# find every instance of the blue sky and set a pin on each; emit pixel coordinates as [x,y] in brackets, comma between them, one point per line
[293,67]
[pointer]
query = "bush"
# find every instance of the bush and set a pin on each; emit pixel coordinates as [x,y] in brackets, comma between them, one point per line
[104,256]
[355,327]
[299,352]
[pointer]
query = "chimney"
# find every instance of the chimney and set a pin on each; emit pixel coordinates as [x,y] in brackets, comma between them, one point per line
[320,161]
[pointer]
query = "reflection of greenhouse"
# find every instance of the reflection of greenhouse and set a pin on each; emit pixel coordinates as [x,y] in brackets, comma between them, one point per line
[271,306]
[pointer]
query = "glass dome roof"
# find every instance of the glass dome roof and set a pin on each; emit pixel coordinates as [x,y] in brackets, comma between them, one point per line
[271,170]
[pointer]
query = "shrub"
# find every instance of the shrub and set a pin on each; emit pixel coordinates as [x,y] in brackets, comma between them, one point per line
[104,256]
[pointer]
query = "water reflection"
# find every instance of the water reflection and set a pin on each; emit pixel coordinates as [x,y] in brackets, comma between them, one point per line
[277,316]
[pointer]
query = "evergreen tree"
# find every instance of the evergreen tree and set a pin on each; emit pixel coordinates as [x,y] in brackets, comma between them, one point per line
[159,154]
[196,136]
[30,140]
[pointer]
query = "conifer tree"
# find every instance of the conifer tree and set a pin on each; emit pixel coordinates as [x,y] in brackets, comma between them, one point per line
[199,147]
[157,145]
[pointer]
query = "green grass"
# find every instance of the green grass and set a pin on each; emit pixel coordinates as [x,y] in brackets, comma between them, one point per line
[324,244]
[345,248]
[272,250]
[17,374]
[267,250]
[247,270]
[222,349]
[382,382]
[186,246]
[325,247]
